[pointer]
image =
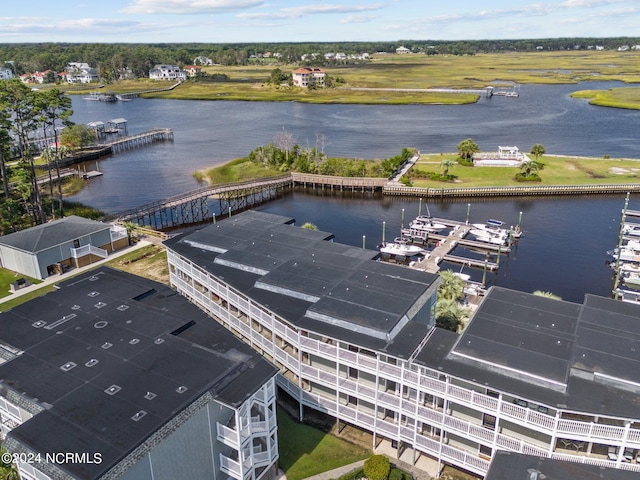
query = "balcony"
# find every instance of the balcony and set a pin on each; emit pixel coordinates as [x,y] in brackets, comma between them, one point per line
[227,435]
[88,250]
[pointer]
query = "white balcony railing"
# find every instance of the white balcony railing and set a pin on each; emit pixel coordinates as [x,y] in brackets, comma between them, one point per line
[88,249]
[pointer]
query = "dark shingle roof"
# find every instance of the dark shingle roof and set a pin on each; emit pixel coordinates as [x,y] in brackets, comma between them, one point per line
[47,235]
[108,328]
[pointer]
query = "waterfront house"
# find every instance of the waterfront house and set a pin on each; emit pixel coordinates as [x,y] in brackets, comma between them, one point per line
[80,72]
[6,73]
[167,72]
[354,338]
[113,376]
[53,247]
[504,157]
[402,50]
[193,70]
[306,76]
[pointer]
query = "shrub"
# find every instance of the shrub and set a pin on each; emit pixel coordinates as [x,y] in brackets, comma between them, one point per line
[396,474]
[465,162]
[377,467]
[521,177]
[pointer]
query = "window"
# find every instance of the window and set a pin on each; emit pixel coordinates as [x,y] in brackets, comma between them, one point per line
[76,243]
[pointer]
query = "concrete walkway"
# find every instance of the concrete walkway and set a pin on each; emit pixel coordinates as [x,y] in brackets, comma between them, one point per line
[53,279]
[337,472]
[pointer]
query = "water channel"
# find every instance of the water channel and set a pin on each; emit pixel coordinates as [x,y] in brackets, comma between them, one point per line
[563,250]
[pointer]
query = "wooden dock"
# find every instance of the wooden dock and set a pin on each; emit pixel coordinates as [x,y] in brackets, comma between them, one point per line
[146,138]
[446,244]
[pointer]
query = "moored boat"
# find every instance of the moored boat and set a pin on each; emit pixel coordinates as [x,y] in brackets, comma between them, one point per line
[401,247]
[482,235]
[426,223]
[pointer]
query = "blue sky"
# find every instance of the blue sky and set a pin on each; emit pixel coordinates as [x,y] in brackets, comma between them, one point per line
[222,21]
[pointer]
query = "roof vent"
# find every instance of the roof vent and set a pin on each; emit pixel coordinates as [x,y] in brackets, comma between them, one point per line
[181,389]
[536,474]
[91,363]
[39,324]
[113,389]
[138,415]
[100,324]
[158,341]
[106,345]
[100,305]
[133,341]
[67,366]
[75,307]
[93,278]
[93,294]
[150,396]
[122,308]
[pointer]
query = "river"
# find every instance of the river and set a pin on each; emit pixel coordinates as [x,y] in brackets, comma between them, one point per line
[563,250]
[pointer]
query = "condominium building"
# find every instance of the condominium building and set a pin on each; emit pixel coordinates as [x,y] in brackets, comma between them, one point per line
[306,76]
[354,338]
[113,376]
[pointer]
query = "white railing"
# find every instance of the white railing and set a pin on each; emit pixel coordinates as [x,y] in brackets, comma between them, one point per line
[88,249]
[230,467]
[117,232]
[227,435]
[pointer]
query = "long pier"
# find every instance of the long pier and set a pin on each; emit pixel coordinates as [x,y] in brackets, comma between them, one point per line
[134,141]
[205,204]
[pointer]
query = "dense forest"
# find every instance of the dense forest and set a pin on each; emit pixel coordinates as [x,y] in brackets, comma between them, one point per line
[111,59]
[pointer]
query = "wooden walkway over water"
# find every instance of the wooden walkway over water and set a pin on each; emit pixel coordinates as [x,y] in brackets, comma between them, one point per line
[146,138]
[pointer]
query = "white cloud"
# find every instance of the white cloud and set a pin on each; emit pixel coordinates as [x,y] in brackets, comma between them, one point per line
[358,19]
[189,6]
[320,9]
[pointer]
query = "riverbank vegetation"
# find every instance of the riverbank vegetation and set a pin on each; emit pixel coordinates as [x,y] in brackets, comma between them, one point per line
[272,159]
[392,75]
[626,97]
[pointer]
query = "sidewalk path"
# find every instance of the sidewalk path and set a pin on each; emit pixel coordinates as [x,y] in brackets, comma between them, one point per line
[52,279]
[337,472]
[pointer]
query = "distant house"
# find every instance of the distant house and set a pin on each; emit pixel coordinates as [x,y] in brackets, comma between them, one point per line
[202,60]
[192,70]
[306,76]
[53,247]
[504,157]
[80,73]
[167,72]
[5,73]
[402,50]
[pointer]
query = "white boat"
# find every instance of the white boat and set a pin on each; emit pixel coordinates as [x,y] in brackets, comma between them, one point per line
[631,280]
[632,229]
[488,236]
[625,254]
[123,98]
[497,226]
[400,247]
[426,223]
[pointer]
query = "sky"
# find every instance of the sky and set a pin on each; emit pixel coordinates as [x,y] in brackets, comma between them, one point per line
[249,21]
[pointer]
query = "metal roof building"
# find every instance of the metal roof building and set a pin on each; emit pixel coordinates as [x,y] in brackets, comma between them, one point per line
[49,248]
[353,338]
[130,381]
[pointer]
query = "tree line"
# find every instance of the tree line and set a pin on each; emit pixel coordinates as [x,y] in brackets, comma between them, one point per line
[34,126]
[114,61]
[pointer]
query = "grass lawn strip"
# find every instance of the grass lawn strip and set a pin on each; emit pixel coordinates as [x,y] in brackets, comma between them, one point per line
[306,451]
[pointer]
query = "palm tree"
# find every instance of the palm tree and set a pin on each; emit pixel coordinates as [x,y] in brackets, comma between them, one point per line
[450,314]
[446,165]
[537,150]
[451,286]
[467,148]
[541,293]
[529,166]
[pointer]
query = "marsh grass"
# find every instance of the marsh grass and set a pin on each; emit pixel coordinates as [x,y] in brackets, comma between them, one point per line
[406,71]
[626,97]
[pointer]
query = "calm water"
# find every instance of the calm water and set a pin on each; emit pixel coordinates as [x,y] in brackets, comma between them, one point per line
[563,250]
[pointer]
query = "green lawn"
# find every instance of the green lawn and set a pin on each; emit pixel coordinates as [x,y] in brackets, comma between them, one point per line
[556,171]
[307,451]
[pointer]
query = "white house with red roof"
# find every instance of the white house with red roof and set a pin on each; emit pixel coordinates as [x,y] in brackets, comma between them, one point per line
[305,76]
